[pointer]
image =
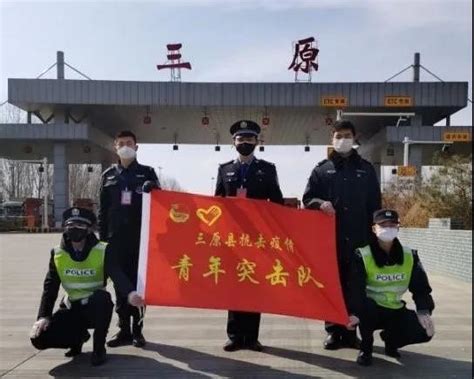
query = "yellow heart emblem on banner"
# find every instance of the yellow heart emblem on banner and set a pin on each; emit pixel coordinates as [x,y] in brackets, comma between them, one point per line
[209,216]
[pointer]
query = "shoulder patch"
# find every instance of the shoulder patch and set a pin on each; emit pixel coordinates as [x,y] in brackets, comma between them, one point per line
[226,163]
[365,161]
[107,170]
[264,162]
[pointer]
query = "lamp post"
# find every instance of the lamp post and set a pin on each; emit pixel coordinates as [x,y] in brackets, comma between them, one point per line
[44,163]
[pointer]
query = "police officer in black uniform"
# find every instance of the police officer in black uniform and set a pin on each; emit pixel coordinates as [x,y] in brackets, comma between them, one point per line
[381,273]
[120,223]
[344,185]
[81,264]
[254,178]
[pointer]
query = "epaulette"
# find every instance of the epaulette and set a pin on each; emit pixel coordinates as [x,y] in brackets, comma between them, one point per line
[264,162]
[226,163]
[113,167]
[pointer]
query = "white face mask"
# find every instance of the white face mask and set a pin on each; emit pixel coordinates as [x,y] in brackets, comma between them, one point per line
[343,145]
[126,152]
[386,234]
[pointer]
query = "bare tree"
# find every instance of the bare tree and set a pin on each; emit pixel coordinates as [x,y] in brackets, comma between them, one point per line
[9,114]
[84,181]
[447,192]
[20,179]
[169,183]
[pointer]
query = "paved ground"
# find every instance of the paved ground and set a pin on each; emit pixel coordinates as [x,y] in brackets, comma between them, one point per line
[187,343]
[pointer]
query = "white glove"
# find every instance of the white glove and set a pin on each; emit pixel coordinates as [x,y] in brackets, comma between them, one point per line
[427,323]
[353,322]
[135,299]
[38,327]
[327,208]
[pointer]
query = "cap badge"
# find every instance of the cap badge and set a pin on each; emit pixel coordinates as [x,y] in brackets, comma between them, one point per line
[75,212]
[243,125]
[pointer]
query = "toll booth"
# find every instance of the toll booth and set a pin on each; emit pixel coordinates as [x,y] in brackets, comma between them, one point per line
[33,213]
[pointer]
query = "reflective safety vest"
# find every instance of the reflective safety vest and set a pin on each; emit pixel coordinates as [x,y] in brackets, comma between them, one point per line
[81,279]
[386,285]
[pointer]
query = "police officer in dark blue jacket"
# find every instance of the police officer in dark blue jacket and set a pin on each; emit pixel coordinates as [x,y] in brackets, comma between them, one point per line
[254,178]
[120,223]
[344,185]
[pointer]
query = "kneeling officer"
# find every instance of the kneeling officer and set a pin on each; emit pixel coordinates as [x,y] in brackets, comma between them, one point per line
[81,264]
[381,273]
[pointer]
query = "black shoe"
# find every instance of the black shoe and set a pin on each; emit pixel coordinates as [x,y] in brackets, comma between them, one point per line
[350,342]
[392,352]
[120,339]
[98,357]
[232,345]
[254,345]
[332,342]
[364,358]
[138,340]
[76,350]
[73,351]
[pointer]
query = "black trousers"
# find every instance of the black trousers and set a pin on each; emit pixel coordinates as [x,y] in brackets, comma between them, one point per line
[243,326]
[68,327]
[126,245]
[401,326]
[335,329]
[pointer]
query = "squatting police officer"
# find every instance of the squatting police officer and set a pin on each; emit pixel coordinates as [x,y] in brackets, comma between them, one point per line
[120,223]
[81,264]
[381,272]
[254,178]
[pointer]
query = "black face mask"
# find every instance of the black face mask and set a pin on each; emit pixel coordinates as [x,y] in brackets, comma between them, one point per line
[76,234]
[245,148]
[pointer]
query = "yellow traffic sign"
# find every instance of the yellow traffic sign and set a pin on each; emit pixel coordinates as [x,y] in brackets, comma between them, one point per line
[398,101]
[457,137]
[334,101]
[406,170]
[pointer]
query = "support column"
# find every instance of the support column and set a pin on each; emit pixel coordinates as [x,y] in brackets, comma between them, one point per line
[60,116]
[416,68]
[378,170]
[60,64]
[61,182]
[417,120]
[415,158]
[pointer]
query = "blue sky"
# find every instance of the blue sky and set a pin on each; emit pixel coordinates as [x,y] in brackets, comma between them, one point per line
[365,40]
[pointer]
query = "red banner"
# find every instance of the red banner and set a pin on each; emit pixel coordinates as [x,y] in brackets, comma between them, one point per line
[238,254]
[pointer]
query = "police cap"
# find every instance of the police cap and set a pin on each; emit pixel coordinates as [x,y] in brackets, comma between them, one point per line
[383,215]
[80,215]
[245,127]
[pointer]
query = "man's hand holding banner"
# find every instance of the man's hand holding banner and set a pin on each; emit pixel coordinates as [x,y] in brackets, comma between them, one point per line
[238,254]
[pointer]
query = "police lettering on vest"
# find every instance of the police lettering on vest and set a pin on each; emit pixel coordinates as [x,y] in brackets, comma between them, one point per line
[80,272]
[390,277]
